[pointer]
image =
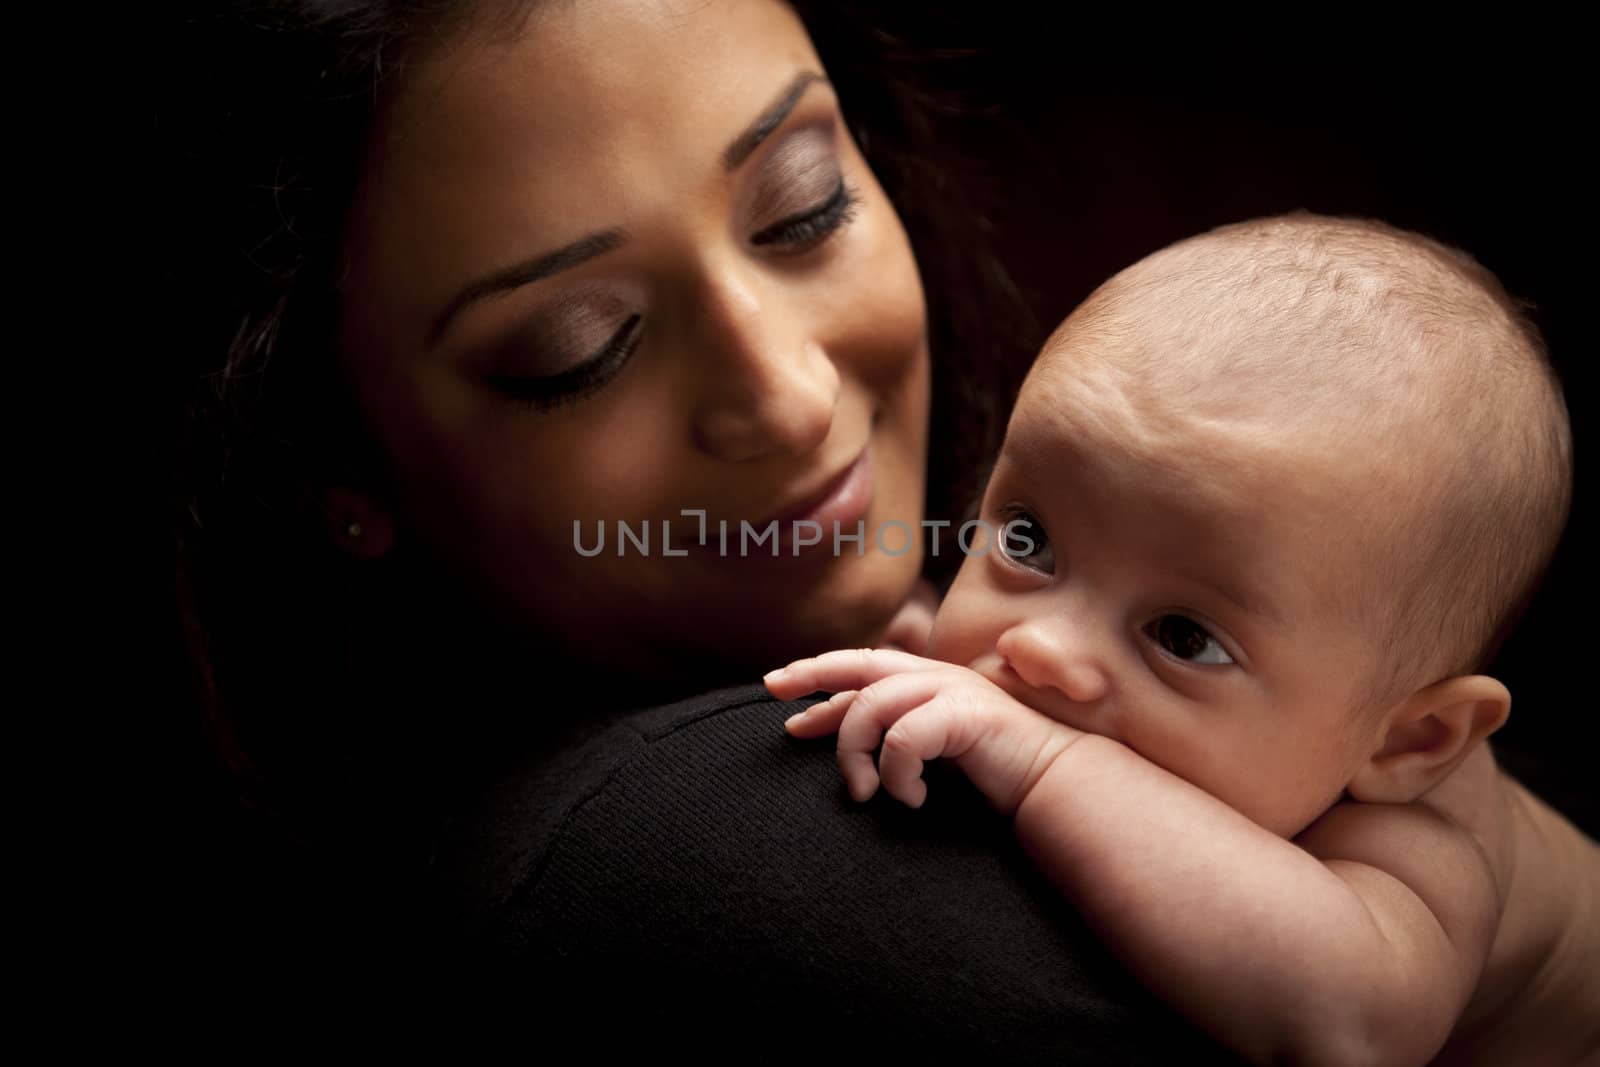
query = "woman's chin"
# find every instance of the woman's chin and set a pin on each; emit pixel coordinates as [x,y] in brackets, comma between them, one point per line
[855,611]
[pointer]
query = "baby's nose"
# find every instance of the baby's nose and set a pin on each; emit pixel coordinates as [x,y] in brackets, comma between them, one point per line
[1051,653]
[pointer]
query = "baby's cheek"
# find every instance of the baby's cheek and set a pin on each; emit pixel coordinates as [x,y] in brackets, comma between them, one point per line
[941,640]
[963,630]
[1285,795]
[1205,754]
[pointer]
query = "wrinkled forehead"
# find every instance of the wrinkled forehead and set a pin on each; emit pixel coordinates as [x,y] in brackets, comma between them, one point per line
[1124,402]
[1210,403]
[1177,471]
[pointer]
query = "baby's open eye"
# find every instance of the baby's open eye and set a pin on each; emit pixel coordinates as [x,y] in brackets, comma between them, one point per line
[1186,639]
[1023,539]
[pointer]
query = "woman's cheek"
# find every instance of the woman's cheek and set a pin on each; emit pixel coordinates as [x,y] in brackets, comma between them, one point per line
[901,322]
[882,290]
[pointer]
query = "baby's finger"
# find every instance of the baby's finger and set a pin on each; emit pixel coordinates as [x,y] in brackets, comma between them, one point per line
[820,719]
[930,731]
[860,774]
[850,668]
[873,711]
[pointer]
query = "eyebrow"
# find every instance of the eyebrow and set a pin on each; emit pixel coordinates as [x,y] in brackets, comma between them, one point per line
[599,243]
[747,142]
[1246,599]
[526,273]
[1247,595]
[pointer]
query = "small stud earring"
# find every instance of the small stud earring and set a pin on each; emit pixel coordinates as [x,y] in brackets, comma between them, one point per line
[353,530]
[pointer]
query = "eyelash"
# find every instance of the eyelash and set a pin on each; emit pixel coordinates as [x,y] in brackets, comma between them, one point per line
[1150,631]
[557,389]
[1034,532]
[810,227]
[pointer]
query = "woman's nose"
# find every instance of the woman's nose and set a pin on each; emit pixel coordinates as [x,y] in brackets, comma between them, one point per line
[1050,652]
[767,386]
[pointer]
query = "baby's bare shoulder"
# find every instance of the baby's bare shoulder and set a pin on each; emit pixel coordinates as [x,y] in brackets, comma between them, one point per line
[1398,839]
[1539,999]
[1557,844]
[1470,815]
[1446,849]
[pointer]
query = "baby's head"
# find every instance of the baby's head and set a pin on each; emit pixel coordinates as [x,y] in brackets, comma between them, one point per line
[1275,494]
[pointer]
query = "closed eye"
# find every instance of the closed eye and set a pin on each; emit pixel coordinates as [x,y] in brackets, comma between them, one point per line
[800,232]
[574,382]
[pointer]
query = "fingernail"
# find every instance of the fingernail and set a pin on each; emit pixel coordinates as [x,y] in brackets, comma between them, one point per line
[791,720]
[775,675]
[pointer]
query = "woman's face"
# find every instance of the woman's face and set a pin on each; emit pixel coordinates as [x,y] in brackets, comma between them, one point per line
[627,264]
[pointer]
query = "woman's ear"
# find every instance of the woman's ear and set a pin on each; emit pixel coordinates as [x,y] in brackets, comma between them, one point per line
[357,523]
[1426,735]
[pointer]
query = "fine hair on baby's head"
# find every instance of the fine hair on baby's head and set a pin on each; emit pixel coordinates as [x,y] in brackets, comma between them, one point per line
[1415,397]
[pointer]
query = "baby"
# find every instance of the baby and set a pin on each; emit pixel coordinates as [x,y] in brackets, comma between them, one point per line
[1267,502]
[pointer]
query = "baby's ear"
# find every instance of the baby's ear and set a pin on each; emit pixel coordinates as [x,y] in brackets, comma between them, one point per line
[357,522]
[1427,734]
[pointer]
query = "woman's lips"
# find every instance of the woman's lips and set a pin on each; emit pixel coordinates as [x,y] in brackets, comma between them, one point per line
[843,500]
[811,505]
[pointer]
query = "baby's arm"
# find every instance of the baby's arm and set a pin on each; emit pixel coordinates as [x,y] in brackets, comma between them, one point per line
[1360,944]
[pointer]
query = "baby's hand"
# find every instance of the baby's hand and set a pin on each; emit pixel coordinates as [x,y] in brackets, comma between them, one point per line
[920,709]
[912,625]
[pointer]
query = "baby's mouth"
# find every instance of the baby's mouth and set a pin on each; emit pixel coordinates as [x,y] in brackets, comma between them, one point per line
[997,669]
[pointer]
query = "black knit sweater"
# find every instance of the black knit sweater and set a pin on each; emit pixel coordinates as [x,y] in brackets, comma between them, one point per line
[703,881]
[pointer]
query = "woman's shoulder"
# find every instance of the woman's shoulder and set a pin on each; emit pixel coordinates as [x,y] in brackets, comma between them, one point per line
[706,788]
[700,864]
[497,836]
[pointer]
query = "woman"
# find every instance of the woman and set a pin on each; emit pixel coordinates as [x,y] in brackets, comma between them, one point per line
[586,266]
